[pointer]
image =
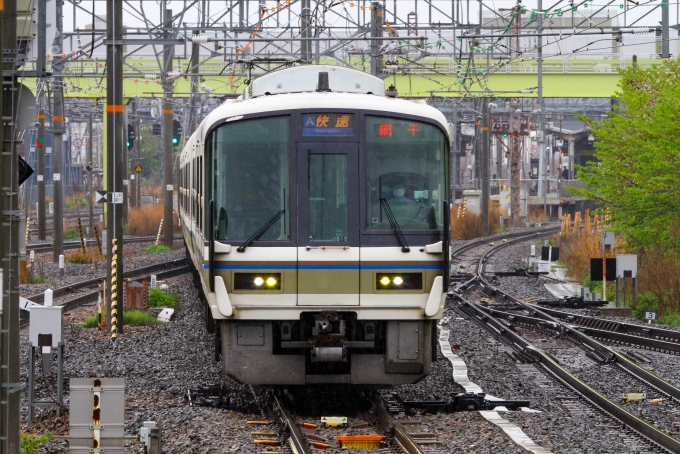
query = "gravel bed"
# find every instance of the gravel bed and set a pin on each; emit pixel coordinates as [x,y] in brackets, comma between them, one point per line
[554,428]
[159,363]
[134,255]
[662,364]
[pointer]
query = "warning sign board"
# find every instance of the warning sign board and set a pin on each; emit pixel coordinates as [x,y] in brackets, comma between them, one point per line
[138,168]
[77,142]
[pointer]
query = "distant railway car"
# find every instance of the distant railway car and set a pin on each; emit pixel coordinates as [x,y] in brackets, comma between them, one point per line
[314,211]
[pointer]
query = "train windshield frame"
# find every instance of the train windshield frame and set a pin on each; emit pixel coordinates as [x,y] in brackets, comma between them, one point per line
[250,175]
[405,174]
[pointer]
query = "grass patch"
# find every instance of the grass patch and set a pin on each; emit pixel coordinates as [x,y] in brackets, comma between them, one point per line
[133,317]
[90,322]
[140,318]
[30,442]
[156,248]
[159,298]
[71,234]
[77,257]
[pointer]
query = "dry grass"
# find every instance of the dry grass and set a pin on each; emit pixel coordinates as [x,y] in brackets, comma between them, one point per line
[576,250]
[466,226]
[659,273]
[144,221]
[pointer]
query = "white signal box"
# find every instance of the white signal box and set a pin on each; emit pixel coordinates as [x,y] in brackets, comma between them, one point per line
[626,265]
[47,326]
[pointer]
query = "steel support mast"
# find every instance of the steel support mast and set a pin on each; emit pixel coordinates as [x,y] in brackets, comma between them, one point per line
[168,87]
[114,158]
[58,137]
[40,150]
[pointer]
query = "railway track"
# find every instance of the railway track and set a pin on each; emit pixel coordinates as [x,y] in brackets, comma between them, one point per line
[509,326]
[74,244]
[161,270]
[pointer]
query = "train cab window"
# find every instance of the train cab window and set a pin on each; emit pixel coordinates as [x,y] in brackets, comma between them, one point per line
[250,178]
[405,173]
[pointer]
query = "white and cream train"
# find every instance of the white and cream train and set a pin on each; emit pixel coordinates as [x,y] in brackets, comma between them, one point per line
[314,212]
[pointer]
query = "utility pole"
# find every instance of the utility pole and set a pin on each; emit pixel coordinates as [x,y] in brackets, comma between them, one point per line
[40,149]
[126,164]
[478,147]
[485,150]
[665,32]
[542,158]
[58,135]
[9,238]
[376,32]
[194,99]
[132,182]
[515,139]
[115,170]
[455,155]
[168,51]
[306,32]
[89,176]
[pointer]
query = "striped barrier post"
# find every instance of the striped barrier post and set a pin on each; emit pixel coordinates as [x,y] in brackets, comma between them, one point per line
[99,242]
[160,229]
[114,291]
[28,225]
[82,237]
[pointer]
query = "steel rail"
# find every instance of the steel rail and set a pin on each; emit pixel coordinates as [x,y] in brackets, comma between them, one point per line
[295,438]
[130,274]
[44,247]
[405,441]
[140,273]
[644,331]
[518,342]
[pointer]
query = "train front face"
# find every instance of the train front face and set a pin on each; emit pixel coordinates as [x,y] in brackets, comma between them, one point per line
[344,282]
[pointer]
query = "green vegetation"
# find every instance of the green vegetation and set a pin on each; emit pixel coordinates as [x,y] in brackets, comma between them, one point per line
[140,318]
[71,234]
[156,248]
[37,279]
[133,317]
[30,442]
[158,298]
[90,322]
[635,180]
[638,148]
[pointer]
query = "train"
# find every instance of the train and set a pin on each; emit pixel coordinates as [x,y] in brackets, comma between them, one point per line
[314,212]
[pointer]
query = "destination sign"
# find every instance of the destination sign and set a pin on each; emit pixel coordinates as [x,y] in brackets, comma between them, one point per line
[327,124]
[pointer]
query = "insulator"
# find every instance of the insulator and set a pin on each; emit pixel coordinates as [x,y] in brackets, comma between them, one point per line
[199,39]
[642,31]
[175,74]
[150,76]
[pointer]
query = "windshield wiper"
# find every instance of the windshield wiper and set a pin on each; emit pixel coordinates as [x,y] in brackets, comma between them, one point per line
[395,226]
[261,231]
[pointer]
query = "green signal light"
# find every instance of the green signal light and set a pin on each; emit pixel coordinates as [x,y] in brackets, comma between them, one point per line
[175,141]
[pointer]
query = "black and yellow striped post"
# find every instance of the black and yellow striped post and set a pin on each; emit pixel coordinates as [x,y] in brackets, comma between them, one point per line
[82,237]
[114,291]
[160,230]
[99,242]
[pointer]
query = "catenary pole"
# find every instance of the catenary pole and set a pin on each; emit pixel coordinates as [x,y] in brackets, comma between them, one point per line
[168,85]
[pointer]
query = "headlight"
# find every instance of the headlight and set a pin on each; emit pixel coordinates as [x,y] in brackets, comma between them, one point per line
[257,281]
[399,281]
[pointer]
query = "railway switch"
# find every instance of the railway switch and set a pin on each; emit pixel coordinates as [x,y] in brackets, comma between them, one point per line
[467,401]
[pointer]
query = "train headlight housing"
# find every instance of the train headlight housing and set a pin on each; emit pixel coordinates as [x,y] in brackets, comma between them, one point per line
[257,281]
[399,281]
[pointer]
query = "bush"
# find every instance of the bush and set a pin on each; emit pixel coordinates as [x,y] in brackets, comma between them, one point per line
[77,257]
[159,298]
[71,234]
[647,301]
[30,442]
[156,248]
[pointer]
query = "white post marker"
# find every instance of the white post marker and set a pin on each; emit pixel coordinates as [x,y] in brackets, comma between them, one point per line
[32,256]
[649,316]
[47,301]
[61,265]
[153,281]
[533,250]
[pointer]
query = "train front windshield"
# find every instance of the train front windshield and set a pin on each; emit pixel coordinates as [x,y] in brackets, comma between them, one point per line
[405,162]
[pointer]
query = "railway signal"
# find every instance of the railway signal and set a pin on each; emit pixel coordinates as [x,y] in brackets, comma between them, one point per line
[176,132]
[130,136]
